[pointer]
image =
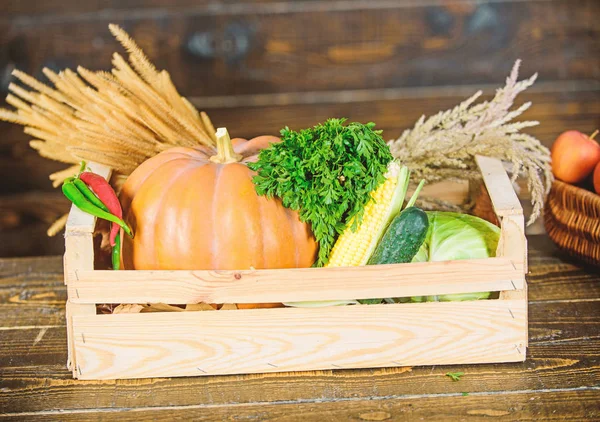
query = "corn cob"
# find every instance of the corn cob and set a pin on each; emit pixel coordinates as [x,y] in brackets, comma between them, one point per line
[354,247]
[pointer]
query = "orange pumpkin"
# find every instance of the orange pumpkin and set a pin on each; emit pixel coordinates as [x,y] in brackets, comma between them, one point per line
[197,208]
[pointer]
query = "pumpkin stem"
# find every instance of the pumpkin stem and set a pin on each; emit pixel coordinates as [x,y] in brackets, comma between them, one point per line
[225,152]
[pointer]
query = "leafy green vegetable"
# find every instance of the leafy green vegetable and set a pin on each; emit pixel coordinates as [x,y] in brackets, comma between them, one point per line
[455,375]
[326,173]
[454,236]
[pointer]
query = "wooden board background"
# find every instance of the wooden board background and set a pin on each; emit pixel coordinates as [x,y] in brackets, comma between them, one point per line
[256,66]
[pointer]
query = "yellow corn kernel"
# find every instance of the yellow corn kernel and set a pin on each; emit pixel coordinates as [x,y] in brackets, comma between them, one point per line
[353,248]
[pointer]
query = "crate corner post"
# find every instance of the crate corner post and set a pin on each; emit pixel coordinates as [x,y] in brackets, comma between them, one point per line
[513,242]
[79,255]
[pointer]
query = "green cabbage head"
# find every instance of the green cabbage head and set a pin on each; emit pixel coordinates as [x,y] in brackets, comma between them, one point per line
[454,236]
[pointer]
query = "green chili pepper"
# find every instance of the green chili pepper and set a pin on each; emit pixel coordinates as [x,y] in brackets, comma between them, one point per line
[91,196]
[71,191]
[87,192]
[116,253]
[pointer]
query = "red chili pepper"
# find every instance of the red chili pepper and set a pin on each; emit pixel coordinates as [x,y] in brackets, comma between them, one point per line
[108,196]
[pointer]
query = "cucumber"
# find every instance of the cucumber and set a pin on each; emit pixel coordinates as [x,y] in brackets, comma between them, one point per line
[402,239]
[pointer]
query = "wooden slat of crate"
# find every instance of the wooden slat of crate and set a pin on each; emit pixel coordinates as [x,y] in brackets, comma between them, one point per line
[297,284]
[506,205]
[275,340]
[504,199]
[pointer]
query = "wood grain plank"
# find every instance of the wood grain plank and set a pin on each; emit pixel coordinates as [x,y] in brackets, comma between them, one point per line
[277,340]
[368,48]
[67,10]
[39,283]
[71,9]
[561,364]
[551,323]
[31,270]
[24,346]
[30,239]
[303,284]
[32,205]
[24,220]
[503,196]
[556,111]
[44,305]
[507,207]
[554,276]
[32,292]
[46,308]
[560,404]
[15,154]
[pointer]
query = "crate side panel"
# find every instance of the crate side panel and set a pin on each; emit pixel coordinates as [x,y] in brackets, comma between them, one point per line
[501,191]
[301,284]
[277,340]
[79,255]
[513,242]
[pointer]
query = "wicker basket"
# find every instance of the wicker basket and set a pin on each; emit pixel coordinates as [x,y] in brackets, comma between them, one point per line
[572,220]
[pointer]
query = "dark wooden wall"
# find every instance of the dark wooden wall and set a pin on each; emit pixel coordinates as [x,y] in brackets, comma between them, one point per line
[256,66]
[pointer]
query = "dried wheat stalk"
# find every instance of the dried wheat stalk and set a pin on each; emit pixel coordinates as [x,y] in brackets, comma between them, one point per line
[443,147]
[119,119]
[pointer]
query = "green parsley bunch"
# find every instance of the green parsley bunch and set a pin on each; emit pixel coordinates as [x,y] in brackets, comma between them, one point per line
[326,173]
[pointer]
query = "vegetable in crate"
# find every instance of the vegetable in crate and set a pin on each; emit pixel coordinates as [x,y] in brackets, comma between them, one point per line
[403,238]
[401,242]
[403,234]
[327,173]
[393,237]
[197,208]
[102,202]
[105,192]
[74,193]
[356,244]
[454,236]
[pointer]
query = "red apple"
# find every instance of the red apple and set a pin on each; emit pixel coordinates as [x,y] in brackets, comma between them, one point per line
[574,156]
[597,179]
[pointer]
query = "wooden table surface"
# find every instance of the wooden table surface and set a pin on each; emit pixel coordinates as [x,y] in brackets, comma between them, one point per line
[560,379]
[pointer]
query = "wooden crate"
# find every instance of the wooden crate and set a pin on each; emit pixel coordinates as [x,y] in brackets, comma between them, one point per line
[294,339]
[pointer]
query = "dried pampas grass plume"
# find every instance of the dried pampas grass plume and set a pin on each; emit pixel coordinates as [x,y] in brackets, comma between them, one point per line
[444,146]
